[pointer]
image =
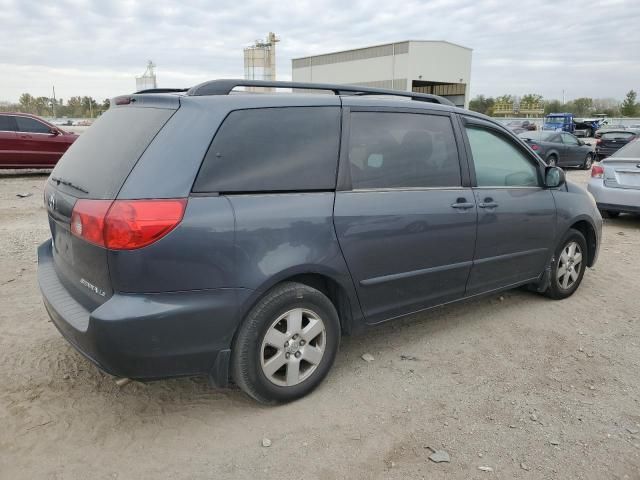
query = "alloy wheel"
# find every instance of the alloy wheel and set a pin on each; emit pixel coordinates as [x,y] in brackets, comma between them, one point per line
[569,265]
[293,347]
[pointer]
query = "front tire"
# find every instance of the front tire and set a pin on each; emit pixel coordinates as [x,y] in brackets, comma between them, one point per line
[552,160]
[588,162]
[570,261]
[286,344]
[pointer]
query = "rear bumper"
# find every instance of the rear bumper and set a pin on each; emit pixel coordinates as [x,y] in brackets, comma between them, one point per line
[605,152]
[614,199]
[147,336]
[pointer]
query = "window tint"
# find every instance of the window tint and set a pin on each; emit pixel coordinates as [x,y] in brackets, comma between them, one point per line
[569,139]
[102,157]
[6,124]
[498,162]
[273,149]
[30,125]
[402,150]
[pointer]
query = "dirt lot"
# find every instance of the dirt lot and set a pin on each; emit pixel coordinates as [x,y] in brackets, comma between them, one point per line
[531,388]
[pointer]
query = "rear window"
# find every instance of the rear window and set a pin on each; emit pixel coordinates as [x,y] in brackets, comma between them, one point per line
[613,135]
[543,136]
[273,149]
[100,160]
[630,150]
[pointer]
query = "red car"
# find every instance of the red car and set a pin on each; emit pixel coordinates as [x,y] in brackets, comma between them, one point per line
[27,141]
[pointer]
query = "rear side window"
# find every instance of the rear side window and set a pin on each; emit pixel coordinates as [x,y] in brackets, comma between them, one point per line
[6,124]
[29,125]
[273,149]
[498,162]
[100,160]
[402,150]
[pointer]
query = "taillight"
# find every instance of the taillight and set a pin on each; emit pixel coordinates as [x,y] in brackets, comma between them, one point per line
[535,147]
[598,141]
[597,171]
[87,220]
[125,224]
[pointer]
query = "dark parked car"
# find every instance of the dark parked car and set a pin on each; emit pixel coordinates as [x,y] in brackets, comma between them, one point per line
[27,141]
[239,236]
[560,148]
[612,141]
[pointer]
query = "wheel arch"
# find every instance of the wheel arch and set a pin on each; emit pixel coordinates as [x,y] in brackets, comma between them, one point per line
[552,152]
[585,227]
[337,287]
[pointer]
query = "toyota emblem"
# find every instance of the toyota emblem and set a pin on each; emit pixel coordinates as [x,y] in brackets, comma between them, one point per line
[52,201]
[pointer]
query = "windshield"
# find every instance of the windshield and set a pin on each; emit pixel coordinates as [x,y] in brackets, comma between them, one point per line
[559,120]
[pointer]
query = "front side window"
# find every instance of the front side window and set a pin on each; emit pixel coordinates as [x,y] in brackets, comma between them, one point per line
[498,162]
[6,124]
[402,150]
[569,139]
[29,125]
[273,149]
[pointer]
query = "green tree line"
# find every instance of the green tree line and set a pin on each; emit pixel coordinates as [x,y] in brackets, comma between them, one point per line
[629,107]
[74,107]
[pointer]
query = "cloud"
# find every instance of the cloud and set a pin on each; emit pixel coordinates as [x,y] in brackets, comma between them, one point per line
[96,48]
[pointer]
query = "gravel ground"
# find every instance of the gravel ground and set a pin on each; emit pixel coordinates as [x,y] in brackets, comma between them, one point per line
[523,385]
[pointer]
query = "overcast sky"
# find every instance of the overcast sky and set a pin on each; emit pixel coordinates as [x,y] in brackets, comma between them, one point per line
[97,48]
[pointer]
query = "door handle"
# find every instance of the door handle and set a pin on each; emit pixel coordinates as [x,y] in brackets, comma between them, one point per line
[462,204]
[490,204]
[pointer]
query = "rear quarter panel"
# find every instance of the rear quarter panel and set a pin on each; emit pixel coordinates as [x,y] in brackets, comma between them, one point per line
[282,235]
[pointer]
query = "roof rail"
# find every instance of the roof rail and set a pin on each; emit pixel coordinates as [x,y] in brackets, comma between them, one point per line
[161,90]
[224,87]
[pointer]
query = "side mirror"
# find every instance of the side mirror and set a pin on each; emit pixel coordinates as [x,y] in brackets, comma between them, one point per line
[554,177]
[54,131]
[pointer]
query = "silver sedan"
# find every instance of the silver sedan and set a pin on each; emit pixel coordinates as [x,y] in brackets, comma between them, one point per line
[615,181]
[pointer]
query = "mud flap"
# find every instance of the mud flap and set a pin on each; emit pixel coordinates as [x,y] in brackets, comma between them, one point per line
[219,373]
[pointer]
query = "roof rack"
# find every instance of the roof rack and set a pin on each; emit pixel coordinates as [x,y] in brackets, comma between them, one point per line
[224,87]
[162,90]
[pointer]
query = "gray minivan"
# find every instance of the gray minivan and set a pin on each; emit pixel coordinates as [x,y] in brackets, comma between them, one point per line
[238,236]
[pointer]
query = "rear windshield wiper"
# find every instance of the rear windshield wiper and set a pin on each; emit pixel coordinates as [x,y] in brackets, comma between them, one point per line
[59,181]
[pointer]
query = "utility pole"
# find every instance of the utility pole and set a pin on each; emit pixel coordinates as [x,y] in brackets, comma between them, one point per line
[53,102]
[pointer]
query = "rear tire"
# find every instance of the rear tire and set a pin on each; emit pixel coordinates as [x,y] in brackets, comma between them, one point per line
[286,344]
[552,160]
[570,261]
[588,162]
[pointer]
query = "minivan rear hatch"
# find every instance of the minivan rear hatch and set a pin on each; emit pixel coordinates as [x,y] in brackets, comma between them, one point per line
[95,167]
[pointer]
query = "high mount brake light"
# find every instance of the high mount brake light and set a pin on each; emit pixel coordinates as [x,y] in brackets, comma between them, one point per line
[124,100]
[125,224]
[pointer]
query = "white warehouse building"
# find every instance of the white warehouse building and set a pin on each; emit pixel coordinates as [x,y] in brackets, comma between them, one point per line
[425,66]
